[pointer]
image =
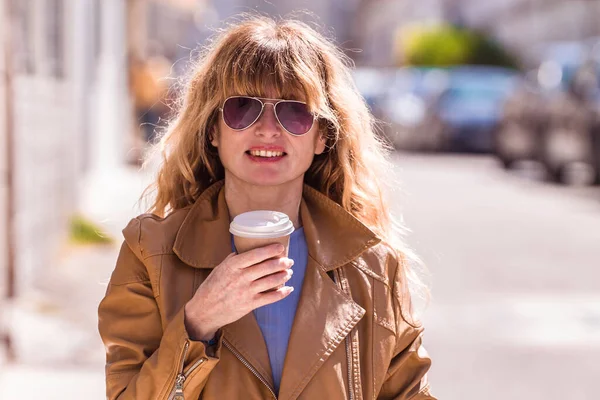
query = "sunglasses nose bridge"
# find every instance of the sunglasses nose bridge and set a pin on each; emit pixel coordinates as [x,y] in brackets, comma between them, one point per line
[264,107]
[273,118]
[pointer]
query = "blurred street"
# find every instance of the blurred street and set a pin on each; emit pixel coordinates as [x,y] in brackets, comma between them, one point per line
[54,325]
[515,312]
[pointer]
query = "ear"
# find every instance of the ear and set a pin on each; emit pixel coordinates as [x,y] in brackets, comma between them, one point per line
[320,145]
[214,138]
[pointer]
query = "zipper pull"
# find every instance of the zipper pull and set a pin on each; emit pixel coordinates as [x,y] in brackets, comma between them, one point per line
[178,394]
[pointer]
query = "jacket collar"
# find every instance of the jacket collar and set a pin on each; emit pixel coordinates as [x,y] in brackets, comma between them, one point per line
[325,314]
[334,237]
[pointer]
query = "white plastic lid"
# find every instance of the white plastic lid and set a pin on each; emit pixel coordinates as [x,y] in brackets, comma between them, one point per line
[261,225]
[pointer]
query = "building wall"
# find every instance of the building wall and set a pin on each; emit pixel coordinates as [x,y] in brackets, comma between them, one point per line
[522,25]
[3,183]
[380,20]
[49,45]
[70,109]
[332,17]
[45,141]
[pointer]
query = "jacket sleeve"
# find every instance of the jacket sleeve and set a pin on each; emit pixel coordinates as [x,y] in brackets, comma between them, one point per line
[406,378]
[145,360]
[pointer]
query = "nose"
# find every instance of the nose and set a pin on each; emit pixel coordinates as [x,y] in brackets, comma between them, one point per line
[267,124]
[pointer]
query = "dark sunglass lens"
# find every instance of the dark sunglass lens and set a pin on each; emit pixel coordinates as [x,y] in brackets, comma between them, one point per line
[241,112]
[295,117]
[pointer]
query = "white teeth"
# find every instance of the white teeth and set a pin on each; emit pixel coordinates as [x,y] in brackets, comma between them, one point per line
[266,153]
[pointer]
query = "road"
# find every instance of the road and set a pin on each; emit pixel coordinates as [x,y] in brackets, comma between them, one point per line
[515,278]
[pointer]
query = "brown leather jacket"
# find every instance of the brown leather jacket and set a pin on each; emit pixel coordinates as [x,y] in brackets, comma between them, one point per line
[349,340]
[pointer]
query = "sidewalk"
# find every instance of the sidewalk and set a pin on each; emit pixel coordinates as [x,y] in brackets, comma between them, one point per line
[29,383]
[54,325]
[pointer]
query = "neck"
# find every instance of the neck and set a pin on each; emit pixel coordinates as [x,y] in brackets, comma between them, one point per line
[242,197]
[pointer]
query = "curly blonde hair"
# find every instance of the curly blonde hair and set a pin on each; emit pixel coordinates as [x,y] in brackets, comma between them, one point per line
[289,56]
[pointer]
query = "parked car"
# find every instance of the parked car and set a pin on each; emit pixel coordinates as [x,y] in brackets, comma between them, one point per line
[373,84]
[433,109]
[551,118]
[465,113]
[596,146]
[521,125]
[567,142]
[410,95]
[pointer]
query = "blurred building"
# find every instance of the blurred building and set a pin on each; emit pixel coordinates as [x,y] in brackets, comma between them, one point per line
[335,18]
[4,184]
[42,142]
[379,20]
[65,120]
[169,27]
[522,25]
[527,25]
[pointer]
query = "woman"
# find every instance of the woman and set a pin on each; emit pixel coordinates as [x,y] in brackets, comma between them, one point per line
[270,120]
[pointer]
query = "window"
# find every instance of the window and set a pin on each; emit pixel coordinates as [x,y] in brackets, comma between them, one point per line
[55,41]
[22,36]
[97,29]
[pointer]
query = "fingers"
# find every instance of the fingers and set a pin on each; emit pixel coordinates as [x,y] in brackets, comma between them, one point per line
[258,255]
[268,267]
[271,281]
[273,296]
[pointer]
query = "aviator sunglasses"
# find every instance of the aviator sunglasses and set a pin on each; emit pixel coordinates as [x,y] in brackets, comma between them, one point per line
[241,112]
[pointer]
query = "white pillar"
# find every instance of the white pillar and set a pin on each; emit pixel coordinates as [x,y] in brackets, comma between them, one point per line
[111,112]
[82,40]
[111,188]
[3,170]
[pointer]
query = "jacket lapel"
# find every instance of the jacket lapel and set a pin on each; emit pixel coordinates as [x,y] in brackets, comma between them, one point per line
[246,338]
[324,316]
[204,241]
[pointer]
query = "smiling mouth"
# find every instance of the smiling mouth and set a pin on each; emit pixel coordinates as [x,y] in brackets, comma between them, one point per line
[266,153]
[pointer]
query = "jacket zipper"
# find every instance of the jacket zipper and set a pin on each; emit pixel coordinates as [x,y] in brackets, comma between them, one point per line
[338,280]
[177,391]
[349,362]
[250,367]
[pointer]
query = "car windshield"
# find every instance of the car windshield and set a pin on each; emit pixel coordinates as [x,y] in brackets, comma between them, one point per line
[474,94]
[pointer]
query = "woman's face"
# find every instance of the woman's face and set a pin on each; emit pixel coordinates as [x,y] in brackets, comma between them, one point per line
[236,149]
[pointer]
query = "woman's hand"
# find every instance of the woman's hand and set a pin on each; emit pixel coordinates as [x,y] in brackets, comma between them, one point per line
[240,284]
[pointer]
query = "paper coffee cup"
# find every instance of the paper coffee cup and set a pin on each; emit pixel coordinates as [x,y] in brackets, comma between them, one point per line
[260,228]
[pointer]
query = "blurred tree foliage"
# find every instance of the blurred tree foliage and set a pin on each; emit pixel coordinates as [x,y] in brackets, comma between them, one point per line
[84,231]
[447,45]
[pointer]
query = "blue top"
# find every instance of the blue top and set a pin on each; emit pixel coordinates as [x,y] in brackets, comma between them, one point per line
[276,319]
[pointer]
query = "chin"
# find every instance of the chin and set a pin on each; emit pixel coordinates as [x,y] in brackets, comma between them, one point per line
[266,178]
